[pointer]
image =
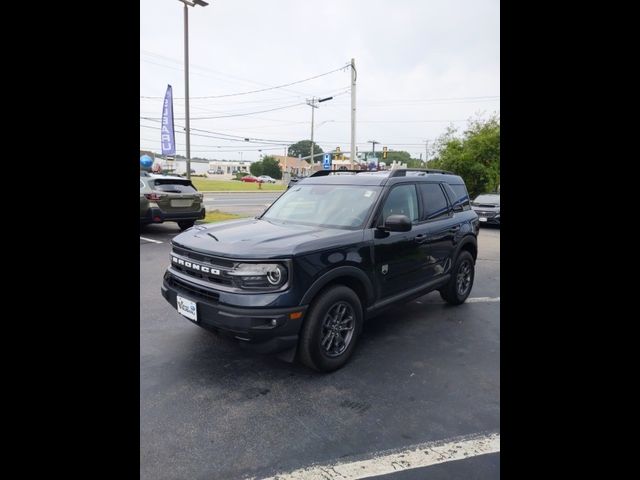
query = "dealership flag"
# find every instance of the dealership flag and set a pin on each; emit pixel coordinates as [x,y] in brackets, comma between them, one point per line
[167,135]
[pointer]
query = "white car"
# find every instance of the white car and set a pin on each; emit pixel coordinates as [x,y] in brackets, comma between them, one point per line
[267,179]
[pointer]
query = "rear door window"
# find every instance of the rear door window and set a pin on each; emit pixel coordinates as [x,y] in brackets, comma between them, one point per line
[173,185]
[434,201]
[461,196]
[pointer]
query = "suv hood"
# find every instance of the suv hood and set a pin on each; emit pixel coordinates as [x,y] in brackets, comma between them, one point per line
[254,238]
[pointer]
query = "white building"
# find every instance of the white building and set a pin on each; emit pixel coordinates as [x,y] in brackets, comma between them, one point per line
[200,166]
[229,166]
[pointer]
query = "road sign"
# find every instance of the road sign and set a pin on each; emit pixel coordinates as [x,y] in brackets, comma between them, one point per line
[326,162]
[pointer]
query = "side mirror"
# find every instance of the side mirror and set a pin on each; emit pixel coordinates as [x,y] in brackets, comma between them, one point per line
[397,223]
[458,208]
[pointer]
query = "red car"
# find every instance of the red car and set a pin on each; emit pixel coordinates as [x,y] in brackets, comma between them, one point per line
[251,178]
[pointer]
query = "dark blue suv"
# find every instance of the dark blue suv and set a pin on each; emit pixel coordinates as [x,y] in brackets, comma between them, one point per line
[333,250]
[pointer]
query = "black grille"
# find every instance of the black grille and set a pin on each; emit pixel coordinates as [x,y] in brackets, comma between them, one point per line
[486,214]
[203,276]
[203,258]
[192,290]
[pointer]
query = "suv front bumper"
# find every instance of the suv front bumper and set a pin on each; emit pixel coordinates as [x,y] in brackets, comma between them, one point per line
[251,327]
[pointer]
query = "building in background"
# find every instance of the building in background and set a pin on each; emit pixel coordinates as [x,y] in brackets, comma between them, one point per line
[198,166]
[295,166]
[229,166]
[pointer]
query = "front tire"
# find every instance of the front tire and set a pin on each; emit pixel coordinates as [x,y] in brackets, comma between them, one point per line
[184,224]
[461,282]
[331,329]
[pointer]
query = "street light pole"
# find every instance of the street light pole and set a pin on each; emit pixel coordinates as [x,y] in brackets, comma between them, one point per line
[188,3]
[312,104]
[186,87]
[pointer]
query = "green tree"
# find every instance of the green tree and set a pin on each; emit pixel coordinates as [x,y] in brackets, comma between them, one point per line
[271,167]
[303,148]
[256,169]
[475,155]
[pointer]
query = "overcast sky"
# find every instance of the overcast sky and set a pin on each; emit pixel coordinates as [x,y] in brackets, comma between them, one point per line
[421,64]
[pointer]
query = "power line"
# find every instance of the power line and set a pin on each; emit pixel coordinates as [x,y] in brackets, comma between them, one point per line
[239,114]
[232,115]
[262,89]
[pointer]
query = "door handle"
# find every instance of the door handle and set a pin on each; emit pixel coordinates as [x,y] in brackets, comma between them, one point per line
[420,238]
[454,229]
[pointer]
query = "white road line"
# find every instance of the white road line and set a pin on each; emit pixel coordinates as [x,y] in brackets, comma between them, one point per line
[150,240]
[482,299]
[416,456]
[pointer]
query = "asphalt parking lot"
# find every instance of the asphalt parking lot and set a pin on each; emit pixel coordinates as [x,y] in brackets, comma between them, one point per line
[422,372]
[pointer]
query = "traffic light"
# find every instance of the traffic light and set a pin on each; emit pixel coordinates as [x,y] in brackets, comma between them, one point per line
[384,153]
[338,154]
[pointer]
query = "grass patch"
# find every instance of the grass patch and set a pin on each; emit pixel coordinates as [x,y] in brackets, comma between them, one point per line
[209,184]
[218,216]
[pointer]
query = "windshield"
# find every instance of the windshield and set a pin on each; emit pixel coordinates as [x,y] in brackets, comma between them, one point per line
[492,199]
[338,206]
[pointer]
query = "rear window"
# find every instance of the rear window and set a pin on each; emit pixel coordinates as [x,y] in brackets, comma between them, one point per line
[173,185]
[462,197]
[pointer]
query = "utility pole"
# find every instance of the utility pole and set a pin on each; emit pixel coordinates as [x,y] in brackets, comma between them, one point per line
[426,152]
[374,153]
[312,104]
[353,111]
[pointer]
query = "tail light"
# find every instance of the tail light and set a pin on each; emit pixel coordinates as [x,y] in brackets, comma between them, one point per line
[153,196]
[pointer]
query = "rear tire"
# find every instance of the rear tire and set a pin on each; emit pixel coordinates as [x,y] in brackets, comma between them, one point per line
[184,224]
[331,329]
[462,275]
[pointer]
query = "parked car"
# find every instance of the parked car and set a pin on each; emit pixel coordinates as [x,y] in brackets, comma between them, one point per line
[267,179]
[331,252]
[251,178]
[169,199]
[487,207]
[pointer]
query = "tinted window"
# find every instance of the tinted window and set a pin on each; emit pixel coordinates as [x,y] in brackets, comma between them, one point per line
[462,197]
[173,185]
[434,201]
[402,200]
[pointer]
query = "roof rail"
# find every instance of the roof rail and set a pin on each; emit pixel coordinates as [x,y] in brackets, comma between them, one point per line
[402,172]
[324,173]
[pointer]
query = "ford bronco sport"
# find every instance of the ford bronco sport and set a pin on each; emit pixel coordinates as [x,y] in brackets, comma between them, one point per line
[335,249]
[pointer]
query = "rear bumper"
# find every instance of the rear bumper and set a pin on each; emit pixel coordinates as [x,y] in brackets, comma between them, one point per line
[252,328]
[155,215]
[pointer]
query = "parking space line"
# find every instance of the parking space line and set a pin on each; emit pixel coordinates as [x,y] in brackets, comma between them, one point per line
[416,456]
[150,240]
[482,299]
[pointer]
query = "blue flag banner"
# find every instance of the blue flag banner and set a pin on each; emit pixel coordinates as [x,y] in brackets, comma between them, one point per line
[167,135]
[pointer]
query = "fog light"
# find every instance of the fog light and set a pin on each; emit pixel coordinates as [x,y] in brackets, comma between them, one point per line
[274,322]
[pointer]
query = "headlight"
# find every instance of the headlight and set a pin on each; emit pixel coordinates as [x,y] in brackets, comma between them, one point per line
[259,275]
